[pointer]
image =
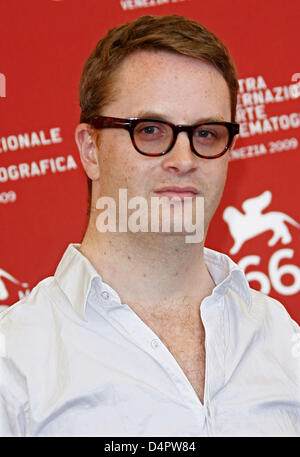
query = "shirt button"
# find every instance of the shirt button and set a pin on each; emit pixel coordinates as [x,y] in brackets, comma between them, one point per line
[155,343]
[105,295]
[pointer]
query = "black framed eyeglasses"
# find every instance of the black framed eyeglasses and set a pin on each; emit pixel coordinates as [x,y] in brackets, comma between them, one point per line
[153,137]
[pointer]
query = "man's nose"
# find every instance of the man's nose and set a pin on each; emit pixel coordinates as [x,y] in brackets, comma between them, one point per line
[180,159]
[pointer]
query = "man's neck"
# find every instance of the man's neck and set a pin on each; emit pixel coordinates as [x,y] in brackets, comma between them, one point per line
[149,269]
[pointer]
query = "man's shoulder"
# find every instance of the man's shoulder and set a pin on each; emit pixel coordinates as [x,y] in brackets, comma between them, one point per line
[271,312]
[30,309]
[28,328]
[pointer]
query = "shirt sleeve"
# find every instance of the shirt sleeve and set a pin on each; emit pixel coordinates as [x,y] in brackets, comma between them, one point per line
[13,402]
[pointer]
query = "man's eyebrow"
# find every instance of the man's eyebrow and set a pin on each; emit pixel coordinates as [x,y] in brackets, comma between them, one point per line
[151,115]
[159,116]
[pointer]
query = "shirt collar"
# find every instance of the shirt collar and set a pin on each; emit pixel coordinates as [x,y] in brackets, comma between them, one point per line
[227,274]
[75,276]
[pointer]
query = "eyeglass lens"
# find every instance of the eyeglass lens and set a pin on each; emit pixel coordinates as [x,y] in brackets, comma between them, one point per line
[153,137]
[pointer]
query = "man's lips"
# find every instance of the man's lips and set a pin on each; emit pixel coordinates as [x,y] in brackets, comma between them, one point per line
[177,191]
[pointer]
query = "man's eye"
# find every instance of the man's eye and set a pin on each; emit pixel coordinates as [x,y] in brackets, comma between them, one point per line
[205,134]
[150,130]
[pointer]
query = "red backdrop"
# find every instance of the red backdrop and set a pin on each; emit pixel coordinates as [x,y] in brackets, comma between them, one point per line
[43,195]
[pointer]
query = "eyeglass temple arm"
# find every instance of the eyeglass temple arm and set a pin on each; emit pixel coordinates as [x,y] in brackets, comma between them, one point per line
[109,122]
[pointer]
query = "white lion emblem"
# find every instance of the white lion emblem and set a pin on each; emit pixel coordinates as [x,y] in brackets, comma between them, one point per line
[243,227]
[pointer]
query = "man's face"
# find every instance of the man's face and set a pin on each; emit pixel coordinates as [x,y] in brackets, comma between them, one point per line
[178,89]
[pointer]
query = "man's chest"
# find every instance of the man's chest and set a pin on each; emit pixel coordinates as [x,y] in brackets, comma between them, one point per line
[188,349]
[184,337]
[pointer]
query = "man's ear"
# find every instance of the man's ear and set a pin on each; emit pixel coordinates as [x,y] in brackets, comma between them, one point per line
[87,150]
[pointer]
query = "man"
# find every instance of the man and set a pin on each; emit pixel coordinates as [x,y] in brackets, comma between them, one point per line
[140,333]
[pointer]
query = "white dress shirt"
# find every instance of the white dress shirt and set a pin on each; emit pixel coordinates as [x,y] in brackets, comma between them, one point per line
[75,361]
